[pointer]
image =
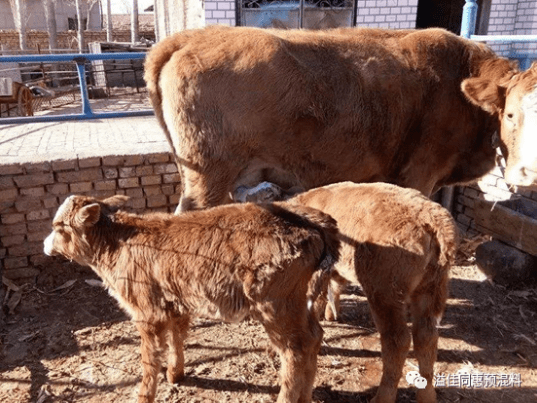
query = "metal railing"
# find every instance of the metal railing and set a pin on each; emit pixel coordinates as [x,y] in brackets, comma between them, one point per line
[468,24]
[80,60]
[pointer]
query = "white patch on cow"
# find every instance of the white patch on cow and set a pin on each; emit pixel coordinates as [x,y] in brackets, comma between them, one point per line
[49,244]
[529,131]
[62,209]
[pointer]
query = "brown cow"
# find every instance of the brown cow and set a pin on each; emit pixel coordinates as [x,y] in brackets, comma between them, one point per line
[229,262]
[303,109]
[399,246]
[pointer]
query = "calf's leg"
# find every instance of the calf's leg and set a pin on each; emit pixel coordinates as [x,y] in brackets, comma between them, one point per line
[297,336]
[153,338]
[428,303]
[390,319]
[176,359]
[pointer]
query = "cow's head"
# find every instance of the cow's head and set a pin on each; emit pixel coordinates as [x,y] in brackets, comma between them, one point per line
[513,97]
[72,223]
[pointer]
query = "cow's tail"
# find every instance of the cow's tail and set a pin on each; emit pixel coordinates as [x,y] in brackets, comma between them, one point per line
[319,292]
[155,61]
[439,222]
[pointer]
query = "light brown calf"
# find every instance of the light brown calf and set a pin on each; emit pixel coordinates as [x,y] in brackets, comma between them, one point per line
[229,262]
[399,246]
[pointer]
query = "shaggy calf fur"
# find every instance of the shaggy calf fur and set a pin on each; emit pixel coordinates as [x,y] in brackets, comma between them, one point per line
[229,262]
[399,246]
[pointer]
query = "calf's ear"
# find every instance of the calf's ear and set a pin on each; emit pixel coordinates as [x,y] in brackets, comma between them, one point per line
[88,215]
[484,93]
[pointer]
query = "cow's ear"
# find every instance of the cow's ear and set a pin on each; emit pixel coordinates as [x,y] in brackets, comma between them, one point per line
[116,202]
[484,93]
[88,215]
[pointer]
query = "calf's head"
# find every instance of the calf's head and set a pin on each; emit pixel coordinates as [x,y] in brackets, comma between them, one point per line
[73,222]
[514,99]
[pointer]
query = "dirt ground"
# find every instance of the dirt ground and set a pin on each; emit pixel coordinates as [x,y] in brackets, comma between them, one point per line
[68,342]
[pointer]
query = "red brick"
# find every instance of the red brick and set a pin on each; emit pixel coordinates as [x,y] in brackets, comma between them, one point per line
[105,185]
[15,229]
[151,180]
[157,158]
[11,169]
[123,160]
[136,203]
[168,189]
[37,167]
[81,187]
[30,181]
[14,263]
[152,191]
[157,201]
[144,170]
[171,178]
[89,162]
[8,195]
[20,273]
[58,189]
[38,215]
[28,204]
[174,199]
[33,192]
[8,241]
[134,192]
[102,194]
[127,172]
[41,260]
[51,202]
[38,236]
[6,182]
[165,168]
[84,175]
[110,173]
[27,249]
[64,165]
[128,183]
[39,226]
[12,218]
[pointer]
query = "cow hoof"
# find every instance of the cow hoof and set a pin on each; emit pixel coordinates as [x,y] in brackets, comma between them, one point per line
[173,377]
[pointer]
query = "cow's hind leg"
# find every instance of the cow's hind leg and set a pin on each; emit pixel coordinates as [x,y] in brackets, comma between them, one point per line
[390,319]
[153,338]
[428,303]
[176,359]
[297,337]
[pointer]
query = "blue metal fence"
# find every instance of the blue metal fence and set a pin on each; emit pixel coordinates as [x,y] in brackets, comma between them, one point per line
[80,60]
[469,19]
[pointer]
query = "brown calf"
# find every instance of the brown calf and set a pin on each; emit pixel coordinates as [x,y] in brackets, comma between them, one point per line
[229,262]
[399,246]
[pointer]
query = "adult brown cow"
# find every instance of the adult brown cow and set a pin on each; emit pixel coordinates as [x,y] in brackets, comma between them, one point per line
[302,109]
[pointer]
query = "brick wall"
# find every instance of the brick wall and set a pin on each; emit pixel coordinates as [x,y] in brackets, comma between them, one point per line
[220,12]
[31,193]
[395,14]
[66,40]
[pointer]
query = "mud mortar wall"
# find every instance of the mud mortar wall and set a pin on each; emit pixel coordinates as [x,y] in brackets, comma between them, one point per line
[31,193]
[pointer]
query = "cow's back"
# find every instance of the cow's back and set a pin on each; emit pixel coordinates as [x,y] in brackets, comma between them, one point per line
[309,108]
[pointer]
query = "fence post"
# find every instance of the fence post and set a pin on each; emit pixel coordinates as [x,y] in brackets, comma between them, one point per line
[469,18]
[81,69]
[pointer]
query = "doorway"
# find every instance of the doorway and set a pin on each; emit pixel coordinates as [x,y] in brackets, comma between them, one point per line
[448,14]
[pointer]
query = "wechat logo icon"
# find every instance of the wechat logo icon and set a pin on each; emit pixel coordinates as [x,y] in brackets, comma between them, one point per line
[414,378]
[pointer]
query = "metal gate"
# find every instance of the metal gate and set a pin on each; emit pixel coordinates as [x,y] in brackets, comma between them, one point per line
[311,14]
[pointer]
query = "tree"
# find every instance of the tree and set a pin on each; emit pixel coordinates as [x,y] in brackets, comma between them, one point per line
[135,28]
[50,15]
[18,8]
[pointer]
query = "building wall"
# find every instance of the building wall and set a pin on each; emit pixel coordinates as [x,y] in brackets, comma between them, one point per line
[36,15]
